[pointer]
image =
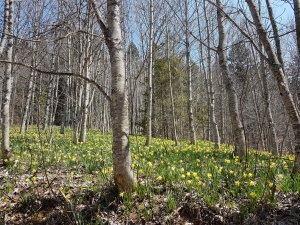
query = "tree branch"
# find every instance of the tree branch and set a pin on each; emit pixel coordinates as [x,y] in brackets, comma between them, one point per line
[61,74]
[238,27]
[99,18]
[53,40]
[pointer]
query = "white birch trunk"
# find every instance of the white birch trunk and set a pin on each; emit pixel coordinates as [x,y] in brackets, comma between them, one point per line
[150,72]
[189,75]
[211,91]
[237,127]
[6,88]
[123,173]
[25,117]
[281,80]
[171,91]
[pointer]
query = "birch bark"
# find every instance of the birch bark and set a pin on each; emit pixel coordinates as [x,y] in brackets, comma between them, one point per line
[237,127]
[211,92]
[171,90]
[150,90]
[6,88]
[281,80]
[189,75]
[123,173]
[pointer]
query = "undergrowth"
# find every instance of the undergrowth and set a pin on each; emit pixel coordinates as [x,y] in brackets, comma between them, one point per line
[166,174]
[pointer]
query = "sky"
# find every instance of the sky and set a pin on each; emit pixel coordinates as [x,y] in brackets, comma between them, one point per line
[282,10]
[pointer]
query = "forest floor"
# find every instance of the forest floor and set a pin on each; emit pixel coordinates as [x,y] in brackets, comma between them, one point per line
[50,206]
[171,188]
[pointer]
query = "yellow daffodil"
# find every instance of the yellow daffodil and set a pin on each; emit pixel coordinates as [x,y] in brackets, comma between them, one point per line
[280,176]
[253,195]
[278,187]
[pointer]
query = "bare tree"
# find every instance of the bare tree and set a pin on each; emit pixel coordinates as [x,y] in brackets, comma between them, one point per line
[211,92]
[171,89]
[150,90]
[7,87]
[281,80]
[297,22]
[123,173]
[189,76]
[237,127]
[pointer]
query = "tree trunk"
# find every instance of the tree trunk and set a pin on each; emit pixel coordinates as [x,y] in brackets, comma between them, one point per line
[171,91]
[6,88]
[5,26]
[281,80]
[210,87]
[150,90]
[189,75]
[270,123]
[65,117]
[237,127]
[49,101]
[85,106]
[27,104]
[297,22]
[123,173]
[276,33]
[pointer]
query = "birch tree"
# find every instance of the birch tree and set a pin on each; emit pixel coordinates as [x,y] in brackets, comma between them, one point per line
[281,80]
[237,127]
[150,90]
[211,92]
[7,80]
[171,88]
[189,75]
[123,173]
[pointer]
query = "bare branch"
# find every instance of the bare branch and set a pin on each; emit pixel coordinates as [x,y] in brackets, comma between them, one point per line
[61,74]
[191,33]
[54,40]
[99,18]
[238,27]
